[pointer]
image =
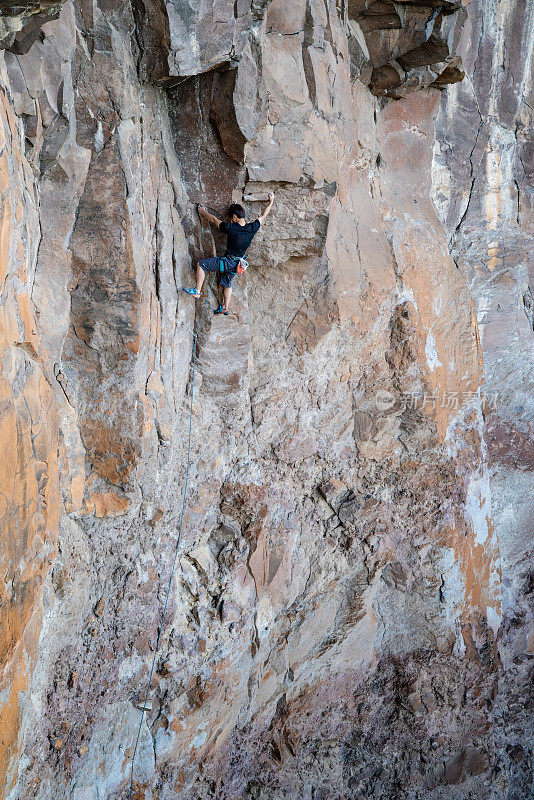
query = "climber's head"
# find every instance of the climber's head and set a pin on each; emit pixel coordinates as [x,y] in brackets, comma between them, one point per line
[236,213]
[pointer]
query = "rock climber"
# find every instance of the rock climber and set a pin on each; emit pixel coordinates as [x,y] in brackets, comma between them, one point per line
[239,235]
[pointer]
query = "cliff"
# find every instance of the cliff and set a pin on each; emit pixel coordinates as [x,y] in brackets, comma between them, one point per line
[349,616]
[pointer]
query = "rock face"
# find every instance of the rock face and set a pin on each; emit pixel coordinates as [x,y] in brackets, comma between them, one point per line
[20,23]
[334,627]
[487,213]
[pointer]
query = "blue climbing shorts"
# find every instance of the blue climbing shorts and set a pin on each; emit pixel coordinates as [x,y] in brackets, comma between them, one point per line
[226,275]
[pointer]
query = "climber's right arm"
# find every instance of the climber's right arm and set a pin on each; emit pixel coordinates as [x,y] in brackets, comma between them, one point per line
[210,217]
[269,206]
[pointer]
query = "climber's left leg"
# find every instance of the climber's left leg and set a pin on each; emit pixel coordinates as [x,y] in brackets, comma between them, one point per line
[200,278]
[203,267]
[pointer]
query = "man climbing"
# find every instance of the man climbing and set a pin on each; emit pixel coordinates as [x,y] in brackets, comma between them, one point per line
[239,235]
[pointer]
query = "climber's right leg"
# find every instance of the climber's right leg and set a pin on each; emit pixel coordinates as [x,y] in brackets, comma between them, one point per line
[226,285]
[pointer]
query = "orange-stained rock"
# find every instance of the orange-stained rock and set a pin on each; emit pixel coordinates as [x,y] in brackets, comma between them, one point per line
[29,432]
[106,504]
[10,716]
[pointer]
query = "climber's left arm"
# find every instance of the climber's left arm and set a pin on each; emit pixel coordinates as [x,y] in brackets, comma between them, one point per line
[210,217]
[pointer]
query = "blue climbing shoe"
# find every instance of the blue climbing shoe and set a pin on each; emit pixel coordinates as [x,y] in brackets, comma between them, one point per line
[221,310]
[192,292]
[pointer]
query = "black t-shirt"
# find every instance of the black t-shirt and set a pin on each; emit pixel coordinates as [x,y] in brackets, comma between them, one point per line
[239,237]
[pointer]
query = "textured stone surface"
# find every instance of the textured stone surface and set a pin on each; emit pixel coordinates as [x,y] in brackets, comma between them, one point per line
[334,628]
[401,47]
[21,23]
[486,123]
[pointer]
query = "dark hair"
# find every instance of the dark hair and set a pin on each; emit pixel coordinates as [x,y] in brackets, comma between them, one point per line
[236,209]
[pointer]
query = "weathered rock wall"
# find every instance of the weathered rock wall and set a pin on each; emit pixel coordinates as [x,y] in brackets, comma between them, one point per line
[334,617]
[486,123]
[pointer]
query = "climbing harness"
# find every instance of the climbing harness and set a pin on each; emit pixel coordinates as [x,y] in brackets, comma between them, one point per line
[179,535]
[242,266]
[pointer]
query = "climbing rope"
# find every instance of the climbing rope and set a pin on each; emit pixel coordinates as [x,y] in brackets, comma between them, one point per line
[179,533]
